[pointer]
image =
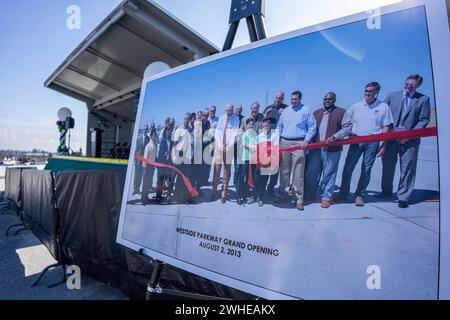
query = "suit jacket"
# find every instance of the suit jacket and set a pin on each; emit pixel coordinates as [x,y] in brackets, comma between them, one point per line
[334,124]
[417,114]
[230,131]
[258,123]
[165,149]
[142,142]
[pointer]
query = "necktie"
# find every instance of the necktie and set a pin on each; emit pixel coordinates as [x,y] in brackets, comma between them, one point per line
[402,110]
[225,133]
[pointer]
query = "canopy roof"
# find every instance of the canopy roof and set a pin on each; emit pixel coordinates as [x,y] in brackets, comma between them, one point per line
[108,66]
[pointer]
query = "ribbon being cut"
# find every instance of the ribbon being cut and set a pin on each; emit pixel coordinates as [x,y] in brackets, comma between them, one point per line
[266,154]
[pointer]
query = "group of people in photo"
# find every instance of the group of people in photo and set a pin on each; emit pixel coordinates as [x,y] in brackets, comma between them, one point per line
[269,148]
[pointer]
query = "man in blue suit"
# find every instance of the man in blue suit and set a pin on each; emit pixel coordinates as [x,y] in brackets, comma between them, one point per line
[142,141]
[165,176]
[411,110]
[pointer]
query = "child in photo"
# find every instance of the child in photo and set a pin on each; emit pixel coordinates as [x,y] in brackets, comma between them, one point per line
[267,159]
[150,153]
[249,139]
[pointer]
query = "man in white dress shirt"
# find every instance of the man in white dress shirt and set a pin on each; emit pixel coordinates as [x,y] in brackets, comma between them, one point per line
[369,116]
[224,140]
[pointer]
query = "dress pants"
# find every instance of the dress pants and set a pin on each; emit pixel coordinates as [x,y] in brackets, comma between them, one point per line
[181,192]
[225,158]
[242,187]
[261,182]
[138,171]
[292,163]
[313,172]
[165,176]
[368,151]
[147,183]
[408,154]
[329,169]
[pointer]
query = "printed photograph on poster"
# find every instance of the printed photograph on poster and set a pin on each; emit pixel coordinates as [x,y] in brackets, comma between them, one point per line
[305,167]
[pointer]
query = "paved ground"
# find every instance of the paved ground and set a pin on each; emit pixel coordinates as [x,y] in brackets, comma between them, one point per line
[403,241]
[22,258]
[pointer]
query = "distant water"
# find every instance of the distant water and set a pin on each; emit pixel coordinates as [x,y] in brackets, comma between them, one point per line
[2,178]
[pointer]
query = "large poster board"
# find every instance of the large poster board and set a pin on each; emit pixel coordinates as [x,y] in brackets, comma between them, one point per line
[204,193]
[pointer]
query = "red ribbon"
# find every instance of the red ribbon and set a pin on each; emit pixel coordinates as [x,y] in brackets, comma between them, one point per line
[186,181]
[393,135]
[250,182]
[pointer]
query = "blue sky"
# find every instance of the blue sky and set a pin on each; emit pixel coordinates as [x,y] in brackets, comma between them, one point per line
[35,40]
[341,59]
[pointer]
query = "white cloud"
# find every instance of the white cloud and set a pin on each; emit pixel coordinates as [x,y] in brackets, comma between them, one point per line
[29,133]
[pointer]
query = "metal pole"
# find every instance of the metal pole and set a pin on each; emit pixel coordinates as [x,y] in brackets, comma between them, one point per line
[62,148]
[68,145]
[153,287]
[260,28]
[230,36]
[251,29]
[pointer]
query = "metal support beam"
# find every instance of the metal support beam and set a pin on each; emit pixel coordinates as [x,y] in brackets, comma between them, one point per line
[111,19]
[125,97]
[175,31]
[255,26]
[180,60]
[251,29]
[230,35]
[260,27]
[108,100]
[114,62]
[76,89]
[71,93]
[108,114]
[90,76]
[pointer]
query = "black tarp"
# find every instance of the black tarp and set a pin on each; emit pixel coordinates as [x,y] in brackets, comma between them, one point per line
[88,202]
[38,207]
[13,184]
[6,194]
[89,207]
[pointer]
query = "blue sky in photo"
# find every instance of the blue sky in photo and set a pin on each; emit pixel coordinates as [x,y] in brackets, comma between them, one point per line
[342,59]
